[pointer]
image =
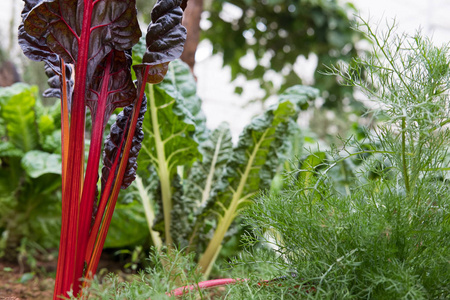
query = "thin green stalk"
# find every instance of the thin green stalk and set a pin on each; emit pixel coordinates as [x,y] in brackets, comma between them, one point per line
[163,169]
[404,163]
[212,169]
[214,245]
[149,212]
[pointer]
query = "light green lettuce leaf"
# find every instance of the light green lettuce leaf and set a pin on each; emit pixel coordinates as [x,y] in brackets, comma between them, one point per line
[17,105]
[128,226]
[37,163]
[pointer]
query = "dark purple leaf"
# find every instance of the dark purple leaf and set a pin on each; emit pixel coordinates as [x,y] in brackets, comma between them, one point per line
[59,22]
[121,89]
[34,48]
[114,139]
[54,74]
[164,40]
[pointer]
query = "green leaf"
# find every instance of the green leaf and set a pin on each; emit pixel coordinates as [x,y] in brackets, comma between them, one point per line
[26,277]
[169,128]
[308,170]
[253,164]
[7,149]
[180,84]
[37,163]
[46,124]
[17,111]
[7,93]
[300,95]
[52,142]
[43,222]
[203,176]
[197,188]
[128,226]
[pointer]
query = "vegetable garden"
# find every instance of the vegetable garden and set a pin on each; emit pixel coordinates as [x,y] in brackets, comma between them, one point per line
[124,160]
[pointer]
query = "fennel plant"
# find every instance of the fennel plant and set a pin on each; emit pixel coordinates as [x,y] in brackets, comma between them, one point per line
[386,236]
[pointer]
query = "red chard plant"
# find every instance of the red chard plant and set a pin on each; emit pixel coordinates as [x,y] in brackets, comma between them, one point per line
[86,45]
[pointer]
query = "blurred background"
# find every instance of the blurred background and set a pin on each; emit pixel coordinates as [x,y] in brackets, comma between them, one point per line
[243,52]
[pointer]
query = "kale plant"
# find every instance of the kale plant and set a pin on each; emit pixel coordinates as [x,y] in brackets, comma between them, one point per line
[202,181]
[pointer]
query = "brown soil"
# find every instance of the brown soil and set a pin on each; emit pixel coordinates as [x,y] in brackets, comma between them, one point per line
[11,287]
[40,286]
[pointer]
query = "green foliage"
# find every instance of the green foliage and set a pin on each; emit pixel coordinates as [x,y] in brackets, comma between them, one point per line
[168,272]
[198,199]
[37,163]
[276,33]
[19,117]
[128,226]
[387,235]
[252,164]
[29,176]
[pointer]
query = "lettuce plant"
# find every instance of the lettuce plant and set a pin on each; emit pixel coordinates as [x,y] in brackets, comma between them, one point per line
[86,44]
[30,168]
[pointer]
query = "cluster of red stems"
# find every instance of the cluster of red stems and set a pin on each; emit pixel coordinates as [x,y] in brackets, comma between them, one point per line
[86,46]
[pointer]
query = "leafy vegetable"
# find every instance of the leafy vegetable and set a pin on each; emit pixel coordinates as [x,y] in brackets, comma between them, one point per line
[170,143]
[17,112]
[200,199]
[252,165]
[29,171]
[37,163]
[95,37]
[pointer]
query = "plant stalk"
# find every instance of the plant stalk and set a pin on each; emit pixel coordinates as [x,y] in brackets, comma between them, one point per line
[149,212]
[163,170]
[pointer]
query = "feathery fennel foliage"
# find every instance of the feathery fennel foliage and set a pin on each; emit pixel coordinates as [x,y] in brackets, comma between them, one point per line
[387,235]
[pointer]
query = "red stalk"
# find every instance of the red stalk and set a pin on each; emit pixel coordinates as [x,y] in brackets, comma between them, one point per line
[64,156]
[227,281]
[99,239]
[202,285]
[90,181]
[67,260]
[101,209]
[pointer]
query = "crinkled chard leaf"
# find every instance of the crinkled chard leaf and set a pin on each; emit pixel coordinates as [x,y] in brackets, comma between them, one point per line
[53,73]
[114,140]
[164,40]
[203,176]
[35,48]
[170,129]
[170,143]
[180,83]
[59,23]
[119,91]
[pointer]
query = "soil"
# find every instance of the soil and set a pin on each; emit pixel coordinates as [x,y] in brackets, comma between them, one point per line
[17,284]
